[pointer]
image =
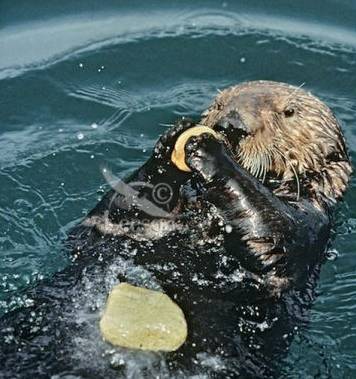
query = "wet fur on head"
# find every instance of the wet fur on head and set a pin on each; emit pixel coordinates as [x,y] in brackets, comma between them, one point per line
[288,137]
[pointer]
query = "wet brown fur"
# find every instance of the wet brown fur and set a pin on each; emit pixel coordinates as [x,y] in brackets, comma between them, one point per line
[292,135]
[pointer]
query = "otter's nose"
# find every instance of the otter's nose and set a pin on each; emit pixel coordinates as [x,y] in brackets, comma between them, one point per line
[231,126]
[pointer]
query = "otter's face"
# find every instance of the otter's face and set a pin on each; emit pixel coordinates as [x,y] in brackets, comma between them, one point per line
[283,134]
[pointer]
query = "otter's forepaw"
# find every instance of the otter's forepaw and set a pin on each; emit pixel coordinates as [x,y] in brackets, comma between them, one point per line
[165,145]
[203,154]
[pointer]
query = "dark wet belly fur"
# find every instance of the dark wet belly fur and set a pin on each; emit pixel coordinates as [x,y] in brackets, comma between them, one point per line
[231,331]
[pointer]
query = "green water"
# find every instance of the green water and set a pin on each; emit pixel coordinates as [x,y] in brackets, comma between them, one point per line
[85,86]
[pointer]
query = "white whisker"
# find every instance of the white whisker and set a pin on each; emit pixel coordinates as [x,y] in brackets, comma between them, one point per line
[289,163]
[294,92]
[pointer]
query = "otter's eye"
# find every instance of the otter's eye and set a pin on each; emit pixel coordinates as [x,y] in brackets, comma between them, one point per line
[288,112]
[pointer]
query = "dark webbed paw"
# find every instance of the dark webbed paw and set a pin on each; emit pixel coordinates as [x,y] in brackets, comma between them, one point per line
[204,155]
[165,145]
[161,159]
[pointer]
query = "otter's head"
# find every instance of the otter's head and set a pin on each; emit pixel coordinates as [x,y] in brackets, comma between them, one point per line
[284,136]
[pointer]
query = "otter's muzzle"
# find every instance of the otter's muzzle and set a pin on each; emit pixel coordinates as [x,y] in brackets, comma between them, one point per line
[232,127]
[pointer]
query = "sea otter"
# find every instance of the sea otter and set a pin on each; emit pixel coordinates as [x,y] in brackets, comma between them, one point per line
[237,244]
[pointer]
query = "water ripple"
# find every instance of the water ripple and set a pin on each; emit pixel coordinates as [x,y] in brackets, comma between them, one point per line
[77,35]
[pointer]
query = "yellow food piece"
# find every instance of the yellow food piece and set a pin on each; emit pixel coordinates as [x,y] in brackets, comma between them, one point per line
[139,318]
[178,154]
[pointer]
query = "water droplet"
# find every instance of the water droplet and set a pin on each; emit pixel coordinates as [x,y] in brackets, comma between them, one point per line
[81,65]
[228,228]
[80,136]
[331,254]
[242,59]
[94,125]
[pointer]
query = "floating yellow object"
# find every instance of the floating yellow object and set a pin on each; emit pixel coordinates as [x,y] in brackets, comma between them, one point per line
[139,318]
[178,154]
